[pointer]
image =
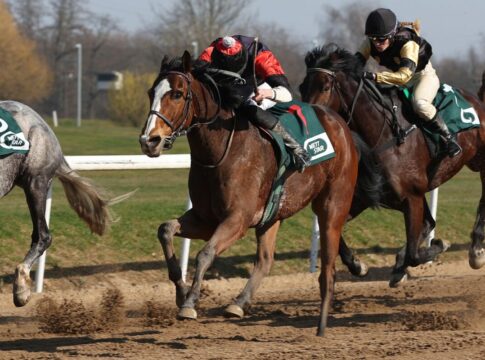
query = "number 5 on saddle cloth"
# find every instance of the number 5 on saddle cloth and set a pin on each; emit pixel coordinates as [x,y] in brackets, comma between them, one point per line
[456,112]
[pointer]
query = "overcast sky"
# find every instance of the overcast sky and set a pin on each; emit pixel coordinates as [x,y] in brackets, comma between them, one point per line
[451,26]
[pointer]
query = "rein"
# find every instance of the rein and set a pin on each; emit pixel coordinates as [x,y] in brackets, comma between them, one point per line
[399,133]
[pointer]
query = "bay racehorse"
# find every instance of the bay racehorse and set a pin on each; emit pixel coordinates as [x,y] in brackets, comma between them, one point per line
[333,78]
[232,168]
[34,172]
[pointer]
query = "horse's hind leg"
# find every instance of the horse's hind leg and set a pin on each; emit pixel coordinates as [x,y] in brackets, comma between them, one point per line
[265,255]
[354,265]
[190,226]
[476,254]
[417,228]
[436,247]
[36,194]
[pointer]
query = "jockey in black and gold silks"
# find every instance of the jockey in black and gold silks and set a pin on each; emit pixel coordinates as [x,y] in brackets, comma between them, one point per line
[236,54]
[407,56]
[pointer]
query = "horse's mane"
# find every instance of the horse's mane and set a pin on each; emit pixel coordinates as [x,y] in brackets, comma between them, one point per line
[231,97]
[334,58]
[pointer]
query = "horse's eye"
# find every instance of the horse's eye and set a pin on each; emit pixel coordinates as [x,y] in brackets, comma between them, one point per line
[177,94]
[326,88]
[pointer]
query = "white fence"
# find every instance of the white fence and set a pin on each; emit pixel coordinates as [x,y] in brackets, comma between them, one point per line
[177,161]
[118,162]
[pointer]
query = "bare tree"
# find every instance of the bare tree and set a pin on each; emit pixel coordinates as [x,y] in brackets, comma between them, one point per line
[289,50]
[30,16]
[95,38]
[345,25]
[57,26]
[198,21]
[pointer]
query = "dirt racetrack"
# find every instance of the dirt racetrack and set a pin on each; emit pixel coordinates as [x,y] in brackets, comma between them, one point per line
[438,314]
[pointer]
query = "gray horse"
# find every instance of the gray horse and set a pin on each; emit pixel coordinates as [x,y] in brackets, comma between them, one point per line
[34,172]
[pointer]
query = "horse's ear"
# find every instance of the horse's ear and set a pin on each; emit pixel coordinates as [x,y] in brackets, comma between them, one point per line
[164,63]
[187,61]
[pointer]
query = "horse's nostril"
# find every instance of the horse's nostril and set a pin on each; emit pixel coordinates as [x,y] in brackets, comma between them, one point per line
[155,140]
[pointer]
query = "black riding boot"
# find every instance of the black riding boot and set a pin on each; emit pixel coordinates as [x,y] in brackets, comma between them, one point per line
[437,124]
[267,120]
[302,159]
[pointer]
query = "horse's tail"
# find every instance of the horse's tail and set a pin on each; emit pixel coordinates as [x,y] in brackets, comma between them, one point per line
[370,181]
[85,198]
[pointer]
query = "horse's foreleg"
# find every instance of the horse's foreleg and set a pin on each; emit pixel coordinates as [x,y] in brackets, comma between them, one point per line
[265,256]
[476,254]
[190,226]
[230,230]
[36,195]
[331,222]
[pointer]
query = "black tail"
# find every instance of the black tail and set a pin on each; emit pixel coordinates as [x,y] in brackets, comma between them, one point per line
[370,182]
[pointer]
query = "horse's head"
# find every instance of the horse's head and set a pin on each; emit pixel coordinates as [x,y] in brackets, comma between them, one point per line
[330,70]
[171,106]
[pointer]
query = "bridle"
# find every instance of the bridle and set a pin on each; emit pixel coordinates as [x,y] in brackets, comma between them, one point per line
[176,131]
[335,88]
[180,130]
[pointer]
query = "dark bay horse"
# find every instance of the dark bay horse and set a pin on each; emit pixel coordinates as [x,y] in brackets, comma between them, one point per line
[333,78]
[33,172]
[233,166]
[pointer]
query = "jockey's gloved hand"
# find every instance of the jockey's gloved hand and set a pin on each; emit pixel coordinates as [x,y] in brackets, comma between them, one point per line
[369,75]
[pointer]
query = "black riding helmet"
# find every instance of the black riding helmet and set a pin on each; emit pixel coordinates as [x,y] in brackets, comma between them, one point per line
[229,54]
[381,23]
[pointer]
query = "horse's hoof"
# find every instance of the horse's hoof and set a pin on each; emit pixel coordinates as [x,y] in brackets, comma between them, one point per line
[476,258]
[443,244]
[364,270]
[21,297]
[187,314]
[21,286]
[234,310]
[397,279]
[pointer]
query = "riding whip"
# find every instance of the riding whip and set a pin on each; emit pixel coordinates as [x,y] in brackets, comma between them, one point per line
[255,46]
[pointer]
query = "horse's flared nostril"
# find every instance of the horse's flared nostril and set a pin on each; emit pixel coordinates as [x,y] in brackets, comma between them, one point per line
[154,141]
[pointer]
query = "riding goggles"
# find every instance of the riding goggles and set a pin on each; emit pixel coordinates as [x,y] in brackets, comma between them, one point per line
[379,39]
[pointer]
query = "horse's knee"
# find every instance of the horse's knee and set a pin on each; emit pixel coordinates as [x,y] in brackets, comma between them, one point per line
[165,231]
[46,242]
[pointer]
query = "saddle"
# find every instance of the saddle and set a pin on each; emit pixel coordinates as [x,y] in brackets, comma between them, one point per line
[457,113]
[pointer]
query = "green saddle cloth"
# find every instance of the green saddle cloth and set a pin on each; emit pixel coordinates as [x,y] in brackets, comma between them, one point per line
[300,120]
[453,108]
[12,140]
